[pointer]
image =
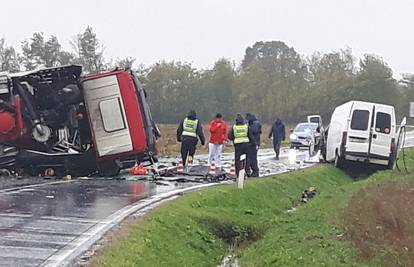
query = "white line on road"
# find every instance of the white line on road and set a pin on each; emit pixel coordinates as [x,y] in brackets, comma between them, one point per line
[67,255]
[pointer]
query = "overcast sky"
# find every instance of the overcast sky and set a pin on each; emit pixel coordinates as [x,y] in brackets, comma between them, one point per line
[202,31]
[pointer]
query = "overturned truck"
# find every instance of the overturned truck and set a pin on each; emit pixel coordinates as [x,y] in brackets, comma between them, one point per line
[55,121]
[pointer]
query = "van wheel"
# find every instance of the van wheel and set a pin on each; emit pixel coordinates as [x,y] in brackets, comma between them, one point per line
[392,161]
[339,161]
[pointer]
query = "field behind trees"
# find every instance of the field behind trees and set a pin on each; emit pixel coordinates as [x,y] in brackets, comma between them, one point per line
[273,79]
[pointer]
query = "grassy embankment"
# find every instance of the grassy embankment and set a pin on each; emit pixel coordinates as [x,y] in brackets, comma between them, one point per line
[348,224]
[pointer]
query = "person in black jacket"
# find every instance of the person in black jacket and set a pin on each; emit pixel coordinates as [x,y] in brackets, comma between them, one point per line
[240,135]
[188,130]
[255,128]
[278,133]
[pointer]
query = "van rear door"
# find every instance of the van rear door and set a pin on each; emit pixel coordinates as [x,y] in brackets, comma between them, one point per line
[383,130]
[359,129]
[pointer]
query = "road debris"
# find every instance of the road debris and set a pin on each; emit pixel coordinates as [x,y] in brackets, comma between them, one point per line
[308,194]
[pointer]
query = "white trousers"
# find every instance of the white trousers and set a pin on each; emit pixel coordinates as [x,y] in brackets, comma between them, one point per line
[214,154]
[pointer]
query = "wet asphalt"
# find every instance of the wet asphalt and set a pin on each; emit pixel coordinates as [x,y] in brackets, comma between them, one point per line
[35,222]
[40,217]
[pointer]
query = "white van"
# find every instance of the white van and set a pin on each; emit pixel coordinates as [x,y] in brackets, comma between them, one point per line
[362,131]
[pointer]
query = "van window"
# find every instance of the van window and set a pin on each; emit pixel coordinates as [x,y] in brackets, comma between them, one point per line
[111,113]
[360,120]
[383,123]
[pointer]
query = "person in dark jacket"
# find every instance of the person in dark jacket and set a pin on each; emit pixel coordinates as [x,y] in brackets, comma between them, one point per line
[188,131]
[278,134]
[255,128]
[240,135]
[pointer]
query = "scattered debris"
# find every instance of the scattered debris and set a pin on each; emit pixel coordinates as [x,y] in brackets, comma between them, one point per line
[292,209]
[308,194]
[138,170]
[229,261]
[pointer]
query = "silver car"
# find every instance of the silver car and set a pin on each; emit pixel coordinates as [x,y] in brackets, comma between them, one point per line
[306,135]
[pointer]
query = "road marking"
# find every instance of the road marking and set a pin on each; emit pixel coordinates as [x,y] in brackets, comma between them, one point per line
[18,189]
[67,255]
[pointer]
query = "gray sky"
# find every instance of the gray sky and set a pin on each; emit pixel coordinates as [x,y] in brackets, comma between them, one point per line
[202,31]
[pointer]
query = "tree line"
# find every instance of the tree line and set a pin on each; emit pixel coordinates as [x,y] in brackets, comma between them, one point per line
[273,79]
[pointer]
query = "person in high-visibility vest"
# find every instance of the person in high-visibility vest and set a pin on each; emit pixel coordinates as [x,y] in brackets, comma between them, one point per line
[240,135]
[188,133]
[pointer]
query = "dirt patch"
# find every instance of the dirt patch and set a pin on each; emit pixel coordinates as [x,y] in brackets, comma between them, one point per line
[379,223]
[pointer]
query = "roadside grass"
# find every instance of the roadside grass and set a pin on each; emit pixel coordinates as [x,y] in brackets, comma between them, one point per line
[199,228]
[202,227]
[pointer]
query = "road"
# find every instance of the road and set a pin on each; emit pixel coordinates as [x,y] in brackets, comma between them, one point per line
[48,223]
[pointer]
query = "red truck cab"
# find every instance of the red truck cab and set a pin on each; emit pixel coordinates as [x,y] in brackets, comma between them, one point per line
[55,119]
[120,120]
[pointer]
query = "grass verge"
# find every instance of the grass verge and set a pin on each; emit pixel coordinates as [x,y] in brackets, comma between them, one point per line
[198,229]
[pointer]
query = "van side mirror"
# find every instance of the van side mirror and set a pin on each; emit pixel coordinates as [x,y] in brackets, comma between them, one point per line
[403,122]
[291,130]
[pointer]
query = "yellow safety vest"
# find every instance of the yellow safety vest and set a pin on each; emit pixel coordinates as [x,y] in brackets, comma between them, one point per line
[190,127]
[241,134]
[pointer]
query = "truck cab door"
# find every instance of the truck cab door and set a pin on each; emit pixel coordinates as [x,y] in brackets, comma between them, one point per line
[107,115]
[383,131]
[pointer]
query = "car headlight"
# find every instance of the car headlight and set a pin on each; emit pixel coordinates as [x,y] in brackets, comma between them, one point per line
[293,136]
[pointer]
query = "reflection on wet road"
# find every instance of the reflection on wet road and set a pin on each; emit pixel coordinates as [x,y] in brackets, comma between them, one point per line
[36,222]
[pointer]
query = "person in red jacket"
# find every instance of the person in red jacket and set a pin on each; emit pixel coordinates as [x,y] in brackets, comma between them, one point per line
[218,136]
